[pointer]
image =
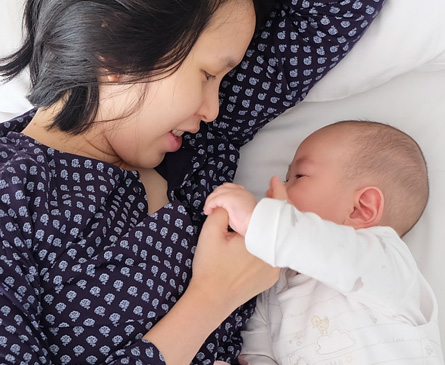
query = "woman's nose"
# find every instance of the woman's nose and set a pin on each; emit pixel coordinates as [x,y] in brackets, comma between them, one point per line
[210,106]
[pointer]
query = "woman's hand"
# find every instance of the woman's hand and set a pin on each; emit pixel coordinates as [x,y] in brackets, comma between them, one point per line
[225,275]
[222,265]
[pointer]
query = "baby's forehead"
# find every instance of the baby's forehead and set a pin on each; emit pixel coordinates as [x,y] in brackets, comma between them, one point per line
[299,161]
[318,150]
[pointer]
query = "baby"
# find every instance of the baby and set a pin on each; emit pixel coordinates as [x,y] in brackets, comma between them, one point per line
[350,291]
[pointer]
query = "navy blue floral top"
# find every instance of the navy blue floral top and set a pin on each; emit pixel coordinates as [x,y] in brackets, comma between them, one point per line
[85,271]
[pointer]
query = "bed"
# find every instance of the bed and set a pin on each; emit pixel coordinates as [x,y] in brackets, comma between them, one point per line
[396,75]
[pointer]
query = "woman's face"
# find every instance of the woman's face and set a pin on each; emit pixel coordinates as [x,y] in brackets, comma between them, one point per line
[177,103]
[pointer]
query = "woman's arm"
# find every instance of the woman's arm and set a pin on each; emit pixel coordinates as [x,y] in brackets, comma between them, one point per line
[22,338]
[225,276]
[301,41]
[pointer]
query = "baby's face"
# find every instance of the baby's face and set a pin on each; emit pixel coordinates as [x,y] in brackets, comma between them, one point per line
[315,179]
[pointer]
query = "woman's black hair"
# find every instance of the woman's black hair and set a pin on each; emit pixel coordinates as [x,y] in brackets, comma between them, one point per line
[262,10]
[69,42]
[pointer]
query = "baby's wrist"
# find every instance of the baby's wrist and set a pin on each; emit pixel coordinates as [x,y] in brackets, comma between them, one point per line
[245,225]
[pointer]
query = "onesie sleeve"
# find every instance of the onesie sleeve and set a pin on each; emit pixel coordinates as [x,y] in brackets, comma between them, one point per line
[373,265]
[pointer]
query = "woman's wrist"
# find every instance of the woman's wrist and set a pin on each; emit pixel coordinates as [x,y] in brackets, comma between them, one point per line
[181,332]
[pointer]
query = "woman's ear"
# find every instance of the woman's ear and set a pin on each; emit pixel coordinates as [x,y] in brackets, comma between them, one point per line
[368,208]
[113,77]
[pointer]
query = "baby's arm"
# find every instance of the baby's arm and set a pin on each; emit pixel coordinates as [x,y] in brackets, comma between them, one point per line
[238,202]
[373,265]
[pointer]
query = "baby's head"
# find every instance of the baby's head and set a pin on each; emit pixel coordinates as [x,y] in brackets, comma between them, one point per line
[361,174]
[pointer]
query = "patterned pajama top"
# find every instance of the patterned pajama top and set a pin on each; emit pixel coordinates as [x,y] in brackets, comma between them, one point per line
[85,272]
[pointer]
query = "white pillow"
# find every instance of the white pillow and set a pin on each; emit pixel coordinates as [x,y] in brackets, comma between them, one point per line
[406,35]
[13,94]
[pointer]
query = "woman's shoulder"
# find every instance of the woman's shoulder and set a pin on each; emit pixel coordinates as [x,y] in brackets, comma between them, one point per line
[18,153]
[20,158]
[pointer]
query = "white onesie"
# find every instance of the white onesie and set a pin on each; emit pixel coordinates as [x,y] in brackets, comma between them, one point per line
[344,297]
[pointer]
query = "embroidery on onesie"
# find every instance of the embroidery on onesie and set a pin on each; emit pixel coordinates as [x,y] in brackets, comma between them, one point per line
[330,343]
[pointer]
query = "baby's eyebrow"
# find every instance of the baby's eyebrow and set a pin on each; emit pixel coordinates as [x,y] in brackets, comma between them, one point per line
[294,163]
[301,160]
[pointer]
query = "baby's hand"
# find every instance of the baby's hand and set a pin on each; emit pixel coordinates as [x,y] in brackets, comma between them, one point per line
[238,202]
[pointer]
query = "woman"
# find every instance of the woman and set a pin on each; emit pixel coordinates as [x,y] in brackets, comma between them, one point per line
[97,245]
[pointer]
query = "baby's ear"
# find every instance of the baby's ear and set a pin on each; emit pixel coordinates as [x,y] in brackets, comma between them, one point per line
[368,208]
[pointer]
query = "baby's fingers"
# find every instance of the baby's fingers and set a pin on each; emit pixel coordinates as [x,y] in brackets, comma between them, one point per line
[218,197]
[277,189]
[213,201]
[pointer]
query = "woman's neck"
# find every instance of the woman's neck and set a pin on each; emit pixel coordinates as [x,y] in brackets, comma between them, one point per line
[88,144]
[91,144]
